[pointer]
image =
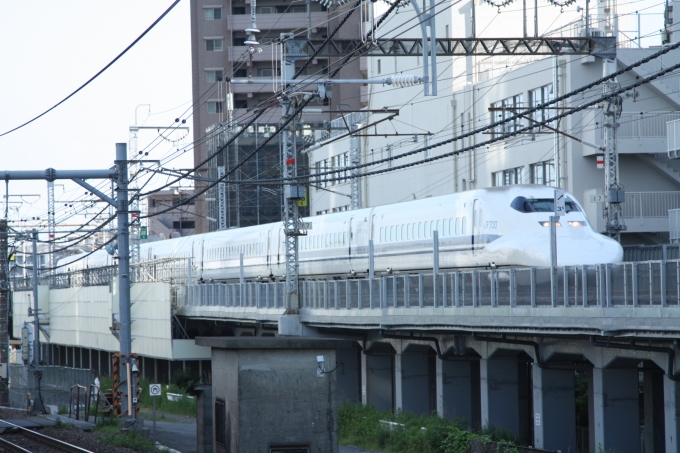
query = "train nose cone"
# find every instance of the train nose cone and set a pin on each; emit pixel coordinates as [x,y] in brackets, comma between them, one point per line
[598,249]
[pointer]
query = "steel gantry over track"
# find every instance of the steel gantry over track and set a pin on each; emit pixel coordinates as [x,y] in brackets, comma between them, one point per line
[604,47]
[119,174]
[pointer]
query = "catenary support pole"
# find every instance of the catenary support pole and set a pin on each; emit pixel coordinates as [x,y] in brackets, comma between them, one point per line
[124,281]
[4,316]
[37,372]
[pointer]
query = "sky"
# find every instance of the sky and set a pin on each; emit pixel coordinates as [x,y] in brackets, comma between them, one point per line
[48,49]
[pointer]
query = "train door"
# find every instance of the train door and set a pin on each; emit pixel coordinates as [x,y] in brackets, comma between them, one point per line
[477,214]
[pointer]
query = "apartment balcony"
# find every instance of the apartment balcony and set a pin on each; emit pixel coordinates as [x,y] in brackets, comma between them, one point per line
[282,22]
[643,212]
[637,133]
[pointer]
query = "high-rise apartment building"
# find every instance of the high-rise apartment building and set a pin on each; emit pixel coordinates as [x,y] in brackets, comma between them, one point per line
[218,54]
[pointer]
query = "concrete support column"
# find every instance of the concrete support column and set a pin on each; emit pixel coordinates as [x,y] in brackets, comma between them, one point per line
[671,391]
[615,411]
[348,375]
[439,379]
[499,382]
[364,379]
[554,409]
[398,387]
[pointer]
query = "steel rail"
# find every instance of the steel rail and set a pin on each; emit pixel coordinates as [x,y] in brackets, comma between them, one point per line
[46,440]
[5,444]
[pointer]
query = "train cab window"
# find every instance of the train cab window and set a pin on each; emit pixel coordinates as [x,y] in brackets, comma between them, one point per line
[523,204]
[464,225]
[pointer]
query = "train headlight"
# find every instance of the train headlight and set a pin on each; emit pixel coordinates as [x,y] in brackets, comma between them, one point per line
[576,223]
[547,224]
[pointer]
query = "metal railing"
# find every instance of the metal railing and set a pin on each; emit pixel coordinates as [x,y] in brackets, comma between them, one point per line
[652,283]
[649,125]
[175,270]
[649,204]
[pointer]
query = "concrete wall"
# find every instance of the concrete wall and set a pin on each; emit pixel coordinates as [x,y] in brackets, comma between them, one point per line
[261,387]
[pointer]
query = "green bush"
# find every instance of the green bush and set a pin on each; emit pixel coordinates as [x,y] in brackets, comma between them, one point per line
[368,428]
[184,379]
[63,410]
[131,439]
[109,424]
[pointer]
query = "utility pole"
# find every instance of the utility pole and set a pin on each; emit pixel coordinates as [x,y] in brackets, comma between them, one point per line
[4,315]
[613,189]
[38,406]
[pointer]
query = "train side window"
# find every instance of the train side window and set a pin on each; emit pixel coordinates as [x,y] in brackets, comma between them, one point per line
[420,230]
[445,227]
[439,227]
[402,236]
[427,230]
[457,225]
[335,239]
[413,230]
[464,227]
[398,232]
[408,231]
[392,233]
[382,234]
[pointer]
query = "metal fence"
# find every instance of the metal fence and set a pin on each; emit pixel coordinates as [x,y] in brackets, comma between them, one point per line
[55,385]
[653,283]
[175,270]
[650,204]
[662,252]
[673,139]
[633,125]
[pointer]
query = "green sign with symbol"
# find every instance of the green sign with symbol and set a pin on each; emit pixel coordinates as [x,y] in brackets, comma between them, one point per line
[143,234]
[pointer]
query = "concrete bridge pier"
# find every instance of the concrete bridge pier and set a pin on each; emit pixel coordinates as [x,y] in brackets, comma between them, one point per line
[671,399]
[554,415]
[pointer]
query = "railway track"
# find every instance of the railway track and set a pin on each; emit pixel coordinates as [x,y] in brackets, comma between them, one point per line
[28,441]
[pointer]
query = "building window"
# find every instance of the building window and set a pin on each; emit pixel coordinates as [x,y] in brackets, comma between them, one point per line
[508,177]
[505,109]
[213,76]
[215,107]
[213,45]
[221,423]
[543,173]
[265,72]
[238,10]
[241,104]
[541,96]
[241,73]
[265,10]
[213,13]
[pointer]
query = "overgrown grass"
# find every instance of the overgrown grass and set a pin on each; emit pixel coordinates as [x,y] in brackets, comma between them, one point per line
[131,439]
[368,428]
[62,410]
[107,424]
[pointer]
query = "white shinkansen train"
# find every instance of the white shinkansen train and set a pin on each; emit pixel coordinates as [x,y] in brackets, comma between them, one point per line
[494,227]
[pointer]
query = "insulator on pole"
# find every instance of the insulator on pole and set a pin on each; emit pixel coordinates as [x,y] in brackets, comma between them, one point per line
[404,80]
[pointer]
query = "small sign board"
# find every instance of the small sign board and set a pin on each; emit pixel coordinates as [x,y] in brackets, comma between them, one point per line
[597,199]
[155,389]
[143,233]
[600,162]
[305,225]
[560,208]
